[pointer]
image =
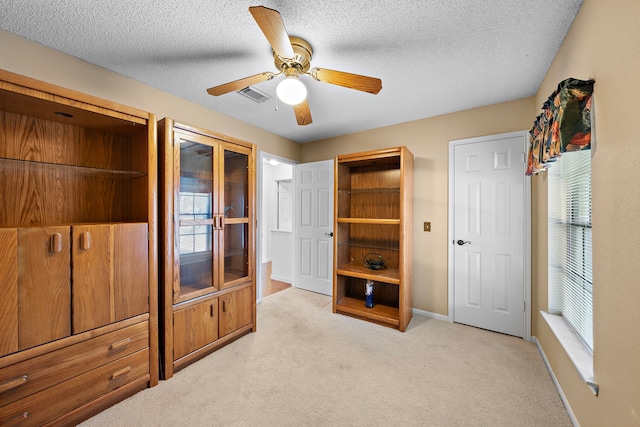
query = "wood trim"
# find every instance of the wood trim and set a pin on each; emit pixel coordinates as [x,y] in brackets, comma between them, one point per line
[152,212]
[211,134]
[47,91]
[210,348]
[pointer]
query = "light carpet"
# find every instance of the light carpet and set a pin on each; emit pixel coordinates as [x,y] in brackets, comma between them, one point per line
[306,366]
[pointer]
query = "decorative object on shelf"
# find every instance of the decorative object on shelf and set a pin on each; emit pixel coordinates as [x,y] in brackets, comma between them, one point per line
[374,261]
[368,293]
[564,124]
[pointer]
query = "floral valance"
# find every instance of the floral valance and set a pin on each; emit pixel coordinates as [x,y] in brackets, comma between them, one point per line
[564,124]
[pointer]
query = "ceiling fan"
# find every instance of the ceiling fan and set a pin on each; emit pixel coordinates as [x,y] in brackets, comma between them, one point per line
[292,58]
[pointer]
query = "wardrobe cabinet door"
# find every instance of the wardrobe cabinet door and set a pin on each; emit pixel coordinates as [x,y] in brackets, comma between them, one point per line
[110,274]
[9,291]
[235,311]
[44,285]
[194,327]
[131,270]
[92,260]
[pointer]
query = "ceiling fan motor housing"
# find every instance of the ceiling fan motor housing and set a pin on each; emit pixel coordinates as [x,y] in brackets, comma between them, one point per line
[302,56]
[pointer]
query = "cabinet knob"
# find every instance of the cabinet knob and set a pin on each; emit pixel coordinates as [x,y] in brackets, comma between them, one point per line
[55,243]
[13,383]
[17,419]
[121,372]
[85,241]
[119,344]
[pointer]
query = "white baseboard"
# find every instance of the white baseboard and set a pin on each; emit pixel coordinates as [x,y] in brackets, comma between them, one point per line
[556,383]
[281,278]
[430,314]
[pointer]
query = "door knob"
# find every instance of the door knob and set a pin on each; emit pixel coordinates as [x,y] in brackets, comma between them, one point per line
[329,234]
[463,242]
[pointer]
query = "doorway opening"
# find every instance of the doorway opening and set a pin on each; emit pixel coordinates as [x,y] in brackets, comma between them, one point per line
[275,225]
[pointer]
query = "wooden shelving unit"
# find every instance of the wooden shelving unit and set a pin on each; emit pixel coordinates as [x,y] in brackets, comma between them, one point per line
[373,215]
[207,197]
[78,259]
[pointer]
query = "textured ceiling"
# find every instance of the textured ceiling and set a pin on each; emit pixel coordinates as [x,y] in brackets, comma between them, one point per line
[433,56]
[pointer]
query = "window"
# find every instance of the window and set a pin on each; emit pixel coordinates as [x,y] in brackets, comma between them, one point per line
[570,274]
[195,238]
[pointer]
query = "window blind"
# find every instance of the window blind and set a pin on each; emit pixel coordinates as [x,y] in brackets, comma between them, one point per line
[570,273]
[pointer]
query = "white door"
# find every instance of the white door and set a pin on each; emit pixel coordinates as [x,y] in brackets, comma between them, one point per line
[314,226]
[488,237]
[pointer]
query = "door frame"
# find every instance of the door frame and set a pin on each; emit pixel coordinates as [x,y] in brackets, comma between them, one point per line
[527,224]
[262,156]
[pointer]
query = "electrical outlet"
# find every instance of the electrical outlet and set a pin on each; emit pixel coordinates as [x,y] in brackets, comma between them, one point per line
[427,226]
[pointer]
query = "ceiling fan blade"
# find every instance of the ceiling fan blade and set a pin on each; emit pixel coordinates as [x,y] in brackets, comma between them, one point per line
[239,84]
[303,114]
[271,24]
[348,80]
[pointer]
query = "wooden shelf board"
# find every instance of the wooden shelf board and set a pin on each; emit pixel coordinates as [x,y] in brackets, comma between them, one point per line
[379,313]
[375,221]
[29,165]
[388,275]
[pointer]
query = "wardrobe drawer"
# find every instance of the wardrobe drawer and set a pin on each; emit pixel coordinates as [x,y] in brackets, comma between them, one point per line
[30,376]
[56,401]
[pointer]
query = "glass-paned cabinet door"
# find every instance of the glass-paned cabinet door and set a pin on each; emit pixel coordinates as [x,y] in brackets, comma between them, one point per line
[236,217]
[195,205]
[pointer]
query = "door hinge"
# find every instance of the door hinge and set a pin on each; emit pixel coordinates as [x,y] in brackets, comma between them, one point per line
[524,306]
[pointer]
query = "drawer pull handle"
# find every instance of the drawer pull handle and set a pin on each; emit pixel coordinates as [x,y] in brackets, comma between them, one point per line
[55,243]
[17,420]
[119,344]
[85,241]
[224,305]
[121,372]
[11,384]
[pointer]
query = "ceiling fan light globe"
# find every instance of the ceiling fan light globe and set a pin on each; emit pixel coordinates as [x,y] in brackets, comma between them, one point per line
[291,91]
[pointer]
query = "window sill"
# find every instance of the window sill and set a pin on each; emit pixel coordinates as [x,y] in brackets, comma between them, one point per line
[579,354]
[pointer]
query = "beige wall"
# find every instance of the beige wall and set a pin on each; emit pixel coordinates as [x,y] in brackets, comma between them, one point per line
[603,44]
[428,140]
[30,59]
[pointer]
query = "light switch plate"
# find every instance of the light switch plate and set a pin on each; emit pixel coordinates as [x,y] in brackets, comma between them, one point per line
[427,226]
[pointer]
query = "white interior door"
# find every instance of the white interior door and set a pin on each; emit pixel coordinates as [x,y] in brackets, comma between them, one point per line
[488,237]
[314,226]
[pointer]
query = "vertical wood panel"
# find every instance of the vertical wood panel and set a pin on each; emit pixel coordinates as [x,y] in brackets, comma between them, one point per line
[44,295]
[235,311]
[131,270]
[9,291]
[92,277]
[305,257]
[473,209]
[502,271]
[325,210]
[502,207]
[194,327]
[306,216]
[323,253]
[474,279]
